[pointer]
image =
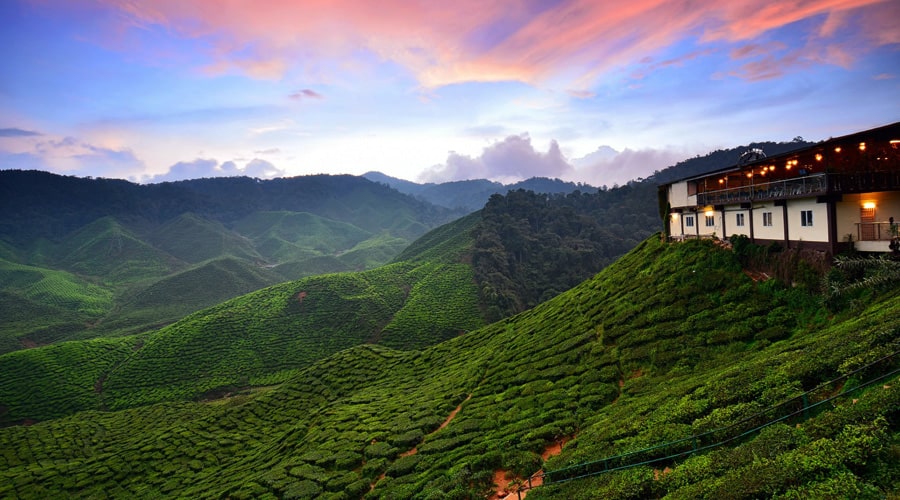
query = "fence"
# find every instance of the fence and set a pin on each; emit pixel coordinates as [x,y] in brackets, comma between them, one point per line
[798,408]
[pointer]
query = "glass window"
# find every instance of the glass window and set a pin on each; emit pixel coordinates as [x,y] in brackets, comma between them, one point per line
[739,220]
[710,220]
[806,218]
[689,221]
[767,218]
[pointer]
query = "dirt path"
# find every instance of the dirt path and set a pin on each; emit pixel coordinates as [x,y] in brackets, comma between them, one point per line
[504,492]
[415,449]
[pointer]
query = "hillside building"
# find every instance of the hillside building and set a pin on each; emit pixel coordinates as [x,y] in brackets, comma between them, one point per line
[823,197]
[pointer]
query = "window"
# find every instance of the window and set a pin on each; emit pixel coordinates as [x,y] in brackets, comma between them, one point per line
[767,218]
[806,218]
[710,220]
[689,221]
[739,220]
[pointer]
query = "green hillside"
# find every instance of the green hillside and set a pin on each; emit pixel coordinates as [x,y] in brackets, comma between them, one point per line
[105,248]
[670,341]
[162,251]
[40,306]
[193,239]
[265,336]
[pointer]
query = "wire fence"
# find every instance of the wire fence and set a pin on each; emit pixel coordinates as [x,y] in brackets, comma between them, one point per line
[801,407]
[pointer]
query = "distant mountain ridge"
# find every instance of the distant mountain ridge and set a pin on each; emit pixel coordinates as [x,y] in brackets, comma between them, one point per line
[162,251]
[473,194]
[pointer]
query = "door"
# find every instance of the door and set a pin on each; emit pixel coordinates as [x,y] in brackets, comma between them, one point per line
[867,224]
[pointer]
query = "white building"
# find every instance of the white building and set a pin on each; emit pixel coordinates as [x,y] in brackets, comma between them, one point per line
[824,197]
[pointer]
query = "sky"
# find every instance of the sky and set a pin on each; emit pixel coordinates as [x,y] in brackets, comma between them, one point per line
[432,91]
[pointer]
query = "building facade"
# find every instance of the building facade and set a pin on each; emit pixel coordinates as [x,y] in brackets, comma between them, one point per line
[839,192]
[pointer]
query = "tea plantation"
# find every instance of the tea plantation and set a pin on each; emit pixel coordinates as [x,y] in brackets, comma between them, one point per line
[669,341]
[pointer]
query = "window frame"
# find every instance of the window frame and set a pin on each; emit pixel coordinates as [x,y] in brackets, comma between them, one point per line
[806,218]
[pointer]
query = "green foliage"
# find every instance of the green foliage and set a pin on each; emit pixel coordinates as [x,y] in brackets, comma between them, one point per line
[530,247]
[264,337]
[159,252]
[629,359]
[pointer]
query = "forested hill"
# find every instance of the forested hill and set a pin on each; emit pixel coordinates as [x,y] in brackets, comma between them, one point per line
[472,194]
[39,204]
[82,257]
[529,247]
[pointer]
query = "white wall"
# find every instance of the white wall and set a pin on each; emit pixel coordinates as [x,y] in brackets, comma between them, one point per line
[887,204]
[818,231]
[731,227]
[773,232]
[678,196]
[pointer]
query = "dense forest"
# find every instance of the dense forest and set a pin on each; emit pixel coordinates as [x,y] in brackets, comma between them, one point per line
[529,247]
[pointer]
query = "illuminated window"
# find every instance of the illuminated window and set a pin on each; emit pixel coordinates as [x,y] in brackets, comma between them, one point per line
[767,219]
[689,220]
[710,220]
[739,220]
[806,218]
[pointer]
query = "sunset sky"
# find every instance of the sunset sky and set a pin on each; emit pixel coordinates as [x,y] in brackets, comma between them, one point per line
[591,91]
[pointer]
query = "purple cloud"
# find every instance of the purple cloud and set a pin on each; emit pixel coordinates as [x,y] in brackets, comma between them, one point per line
[208,167]
[509,160]
[17,132]
[306,94]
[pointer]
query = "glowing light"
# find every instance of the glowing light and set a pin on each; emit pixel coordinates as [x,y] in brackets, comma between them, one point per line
[869,205]
[837,149]
[749,174]
[708,213]
[771,167]
[721,181]
[862,146]
[818,157]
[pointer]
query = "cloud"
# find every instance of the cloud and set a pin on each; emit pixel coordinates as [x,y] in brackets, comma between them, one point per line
[509,160]
[271,151]
[305,94]
[570,43]
[70,156]
[606,167]
[17,132]
[208,167]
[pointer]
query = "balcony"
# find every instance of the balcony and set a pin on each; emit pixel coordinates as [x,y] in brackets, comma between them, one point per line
[800,187]
[797,187]
[875,231]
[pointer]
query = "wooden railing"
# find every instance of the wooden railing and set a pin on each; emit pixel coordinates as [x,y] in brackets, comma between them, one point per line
[875,231]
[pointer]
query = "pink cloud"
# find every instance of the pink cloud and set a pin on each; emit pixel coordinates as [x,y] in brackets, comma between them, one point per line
[510,160]
[304,94]
[571,44]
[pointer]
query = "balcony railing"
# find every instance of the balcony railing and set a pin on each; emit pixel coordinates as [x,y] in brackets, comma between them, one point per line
[875,231]
[801,186]
[810,185]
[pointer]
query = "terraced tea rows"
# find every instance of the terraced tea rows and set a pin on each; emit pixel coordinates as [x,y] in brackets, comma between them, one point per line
[552,374]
